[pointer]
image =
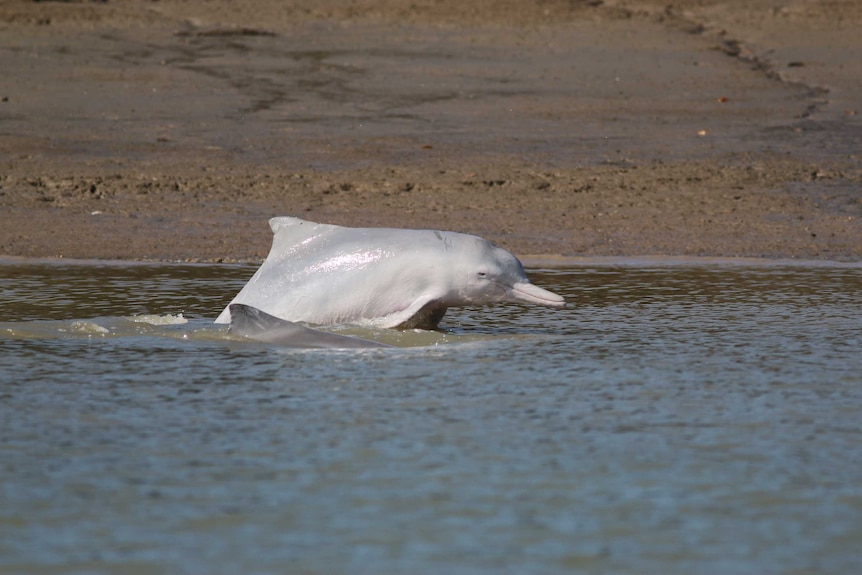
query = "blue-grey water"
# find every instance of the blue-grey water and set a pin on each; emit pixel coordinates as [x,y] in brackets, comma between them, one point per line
[697,418]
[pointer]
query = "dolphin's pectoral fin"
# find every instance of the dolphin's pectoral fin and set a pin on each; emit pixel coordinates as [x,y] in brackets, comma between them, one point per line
[250,322]
[423,312]
[428,317]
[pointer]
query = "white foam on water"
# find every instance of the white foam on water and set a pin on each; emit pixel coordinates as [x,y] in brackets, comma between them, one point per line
[155,319]
[87,327]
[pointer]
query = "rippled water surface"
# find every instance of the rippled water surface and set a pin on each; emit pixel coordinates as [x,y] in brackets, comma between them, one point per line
[674,419]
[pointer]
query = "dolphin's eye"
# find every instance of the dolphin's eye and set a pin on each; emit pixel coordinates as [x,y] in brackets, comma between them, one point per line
[482,274]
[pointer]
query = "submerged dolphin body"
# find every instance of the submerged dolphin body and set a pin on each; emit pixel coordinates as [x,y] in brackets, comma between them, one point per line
[328,275]
[252,323]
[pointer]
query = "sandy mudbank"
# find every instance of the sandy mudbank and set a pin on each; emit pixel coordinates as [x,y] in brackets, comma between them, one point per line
[173,130]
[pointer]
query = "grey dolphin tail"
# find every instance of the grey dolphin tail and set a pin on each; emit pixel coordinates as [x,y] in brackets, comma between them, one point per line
[250,322]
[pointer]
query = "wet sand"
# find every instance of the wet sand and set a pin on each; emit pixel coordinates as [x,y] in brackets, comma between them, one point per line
[173,130]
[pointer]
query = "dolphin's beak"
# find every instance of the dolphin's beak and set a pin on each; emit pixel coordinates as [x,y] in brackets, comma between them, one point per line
[529,293]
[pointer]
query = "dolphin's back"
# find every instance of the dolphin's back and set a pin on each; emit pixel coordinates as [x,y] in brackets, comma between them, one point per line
[327,275]
[250,322]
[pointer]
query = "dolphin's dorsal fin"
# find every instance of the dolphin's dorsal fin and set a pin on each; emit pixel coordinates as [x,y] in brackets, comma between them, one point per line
[284,223]
[289,231]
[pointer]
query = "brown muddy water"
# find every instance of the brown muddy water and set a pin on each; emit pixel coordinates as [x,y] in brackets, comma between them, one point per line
[676,418]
